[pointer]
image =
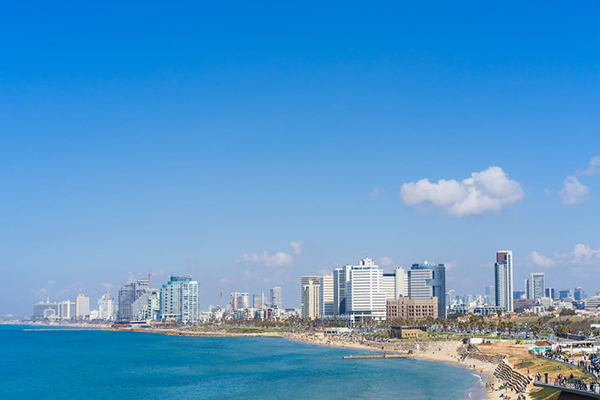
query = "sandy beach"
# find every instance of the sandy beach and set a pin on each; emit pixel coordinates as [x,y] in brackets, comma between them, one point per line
[439,351]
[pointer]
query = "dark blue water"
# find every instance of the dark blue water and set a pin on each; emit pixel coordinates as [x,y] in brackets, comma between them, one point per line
[128,365]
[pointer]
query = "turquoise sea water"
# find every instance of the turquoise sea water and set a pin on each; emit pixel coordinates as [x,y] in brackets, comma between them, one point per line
[128,365]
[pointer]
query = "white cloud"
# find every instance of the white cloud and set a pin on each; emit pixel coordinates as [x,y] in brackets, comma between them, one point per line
[45,291]
[385,261]
[377,192]
[541,260]
[297,247]
[484,192]
[450,265]
[573,191]
[582,254]
[279,259]
[593,167]
[106,286]
[548,191]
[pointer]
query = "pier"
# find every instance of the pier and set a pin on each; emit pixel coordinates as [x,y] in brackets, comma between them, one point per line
[379,356]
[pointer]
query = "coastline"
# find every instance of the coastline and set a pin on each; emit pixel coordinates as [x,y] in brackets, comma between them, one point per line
[435,351]
[444,352]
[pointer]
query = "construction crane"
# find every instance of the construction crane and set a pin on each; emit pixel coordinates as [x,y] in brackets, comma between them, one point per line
[149,273]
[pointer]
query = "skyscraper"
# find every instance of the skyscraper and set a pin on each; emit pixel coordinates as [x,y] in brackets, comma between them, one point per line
[428,280]
[275,298]
[395,284]
[579,294]
[365,296]
[535,286]
[240,301]
[311,297]
[66,309]
[147,306]
[327,295]
[82,305]
[259,301]
[340,282]
[551,293]
[106,307]
[503,271]
[128,294]
[180,300]
[126,299]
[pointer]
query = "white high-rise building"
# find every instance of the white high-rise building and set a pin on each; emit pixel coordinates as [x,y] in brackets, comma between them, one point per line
[190,302]
[240,301]
[503,270]
[106,307]
[401,282]
[82,305]
[395,284]
[259,301]
[365,296]
[66,309]
[180,300]
[327,295]
[311,297]
[535,285]
[389,285]
[275,298]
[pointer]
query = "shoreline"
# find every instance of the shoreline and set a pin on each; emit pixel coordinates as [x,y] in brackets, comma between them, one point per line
[442,351]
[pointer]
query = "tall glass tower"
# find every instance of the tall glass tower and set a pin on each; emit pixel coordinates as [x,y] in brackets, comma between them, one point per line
[428,280]
[275,298]
[503,270]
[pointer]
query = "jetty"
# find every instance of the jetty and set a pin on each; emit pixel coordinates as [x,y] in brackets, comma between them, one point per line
[378,356]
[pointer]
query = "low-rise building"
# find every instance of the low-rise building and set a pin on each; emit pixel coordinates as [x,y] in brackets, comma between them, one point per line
[408,332]
[414,309]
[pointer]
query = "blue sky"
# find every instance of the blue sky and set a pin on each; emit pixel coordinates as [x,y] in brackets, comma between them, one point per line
[248,145]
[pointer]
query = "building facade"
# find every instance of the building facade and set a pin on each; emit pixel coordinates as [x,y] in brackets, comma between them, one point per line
[311,297]
[82,306]
[503,274]
[428,280]
[327,296]
[365,295]
[536,286]
[106,307]
[414,309]
[341,277]
[276,298]
[259,301]
[128,294]
[395,284]
[180,300]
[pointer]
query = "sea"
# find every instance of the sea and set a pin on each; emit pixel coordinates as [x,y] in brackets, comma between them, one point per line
[83,364]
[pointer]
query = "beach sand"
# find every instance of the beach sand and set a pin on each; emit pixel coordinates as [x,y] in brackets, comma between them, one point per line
[442,351]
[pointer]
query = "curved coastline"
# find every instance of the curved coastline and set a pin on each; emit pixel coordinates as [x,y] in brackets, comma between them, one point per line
[442,352]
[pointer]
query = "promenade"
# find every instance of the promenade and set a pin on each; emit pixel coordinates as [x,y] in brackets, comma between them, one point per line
[591,391]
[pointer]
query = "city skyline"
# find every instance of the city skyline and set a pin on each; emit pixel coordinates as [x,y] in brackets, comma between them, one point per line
[235,145]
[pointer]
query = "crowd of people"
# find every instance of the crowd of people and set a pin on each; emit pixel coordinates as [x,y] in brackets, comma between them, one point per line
[590,362]
[587,362]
